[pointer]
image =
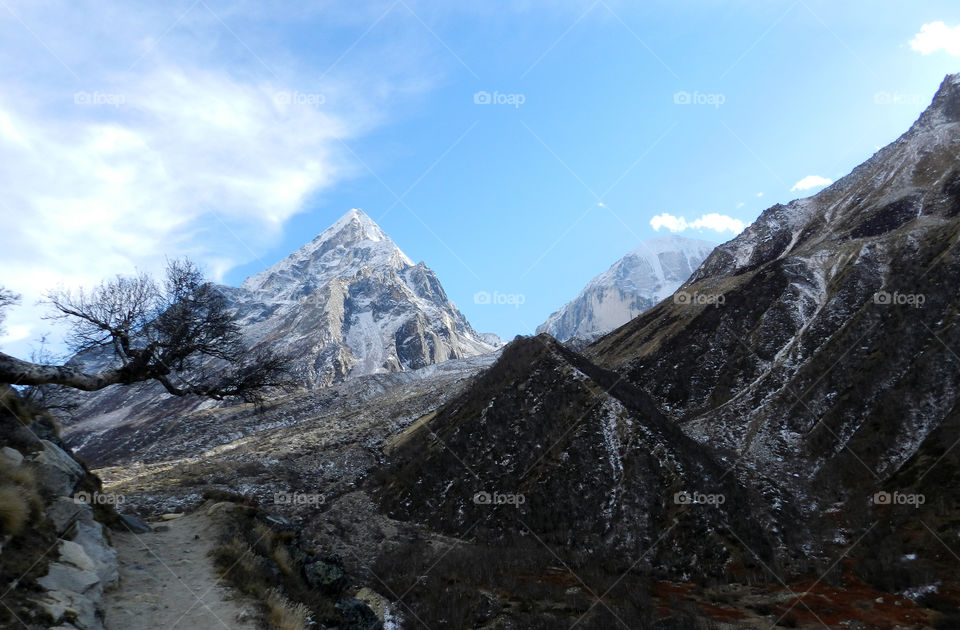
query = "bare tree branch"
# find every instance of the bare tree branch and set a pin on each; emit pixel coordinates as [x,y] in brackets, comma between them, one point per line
[112,313]
[55,399]
[7,299]
[180,333]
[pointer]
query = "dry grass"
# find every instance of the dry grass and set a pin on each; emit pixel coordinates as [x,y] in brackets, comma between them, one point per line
[265,538]
[19,498]
[404,436]
[268,565]
[236,555]
[17,407]
[14,510]
[18,475]
[282,614]
[283,559]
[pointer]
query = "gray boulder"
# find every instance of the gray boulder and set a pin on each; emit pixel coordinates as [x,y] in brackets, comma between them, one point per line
[59,472]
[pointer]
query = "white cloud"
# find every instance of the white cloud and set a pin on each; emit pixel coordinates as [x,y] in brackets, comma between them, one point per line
[200,148]
[191,151]
[759,194]
[16,333]
[712,221]
[811,181]
[937,36]
[740,205]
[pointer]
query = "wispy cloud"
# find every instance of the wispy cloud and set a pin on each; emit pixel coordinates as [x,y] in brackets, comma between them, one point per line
[937,36]
[712,221]
[122,149]
[811,181]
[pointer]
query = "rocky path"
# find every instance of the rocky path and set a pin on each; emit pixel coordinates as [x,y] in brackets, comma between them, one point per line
[167,580]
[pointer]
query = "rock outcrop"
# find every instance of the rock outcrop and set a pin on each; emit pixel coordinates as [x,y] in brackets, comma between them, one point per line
[57,559]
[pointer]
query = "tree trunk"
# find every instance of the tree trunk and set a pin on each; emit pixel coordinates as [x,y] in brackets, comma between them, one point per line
[14,371]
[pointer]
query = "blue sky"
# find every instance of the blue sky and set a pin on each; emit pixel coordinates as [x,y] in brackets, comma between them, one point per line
[236,132]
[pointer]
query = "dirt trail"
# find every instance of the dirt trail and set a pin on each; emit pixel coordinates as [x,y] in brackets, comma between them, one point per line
[167,580]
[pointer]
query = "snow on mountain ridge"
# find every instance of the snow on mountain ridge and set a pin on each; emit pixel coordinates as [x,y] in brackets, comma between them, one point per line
[350,303]
[654,254]
[889,180]
[645,276]
[354,241]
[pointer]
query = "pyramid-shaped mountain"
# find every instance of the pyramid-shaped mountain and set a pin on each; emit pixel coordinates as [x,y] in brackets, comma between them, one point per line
[350,303]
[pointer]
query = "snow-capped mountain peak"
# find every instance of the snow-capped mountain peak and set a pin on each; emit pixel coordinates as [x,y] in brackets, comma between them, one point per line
[353,242]
[635,283]
[350,303]
[657,266]
[354,222]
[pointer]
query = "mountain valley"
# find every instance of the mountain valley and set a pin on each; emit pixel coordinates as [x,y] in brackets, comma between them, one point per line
[759,434]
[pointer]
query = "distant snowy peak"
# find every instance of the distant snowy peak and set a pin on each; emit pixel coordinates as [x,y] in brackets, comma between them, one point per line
[635,283]
[657,266]
[355,241]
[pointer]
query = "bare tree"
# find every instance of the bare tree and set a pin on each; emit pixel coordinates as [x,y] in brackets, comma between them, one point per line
[58,400]
[7,299]
[179,333]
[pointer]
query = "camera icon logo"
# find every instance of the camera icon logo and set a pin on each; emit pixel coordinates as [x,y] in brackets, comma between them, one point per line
[882,297]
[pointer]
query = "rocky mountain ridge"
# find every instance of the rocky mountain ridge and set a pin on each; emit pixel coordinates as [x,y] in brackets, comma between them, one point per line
[866,260]
[831,363]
